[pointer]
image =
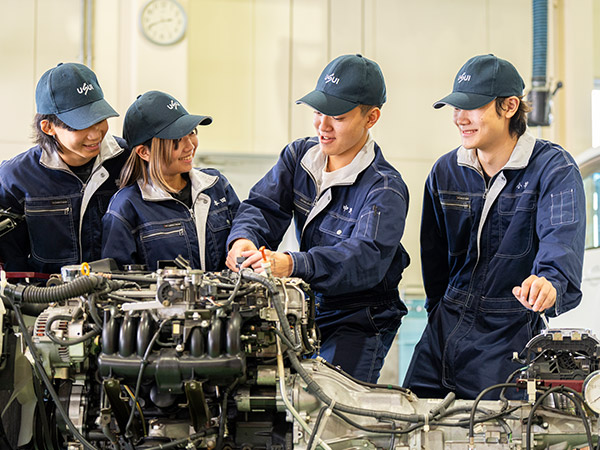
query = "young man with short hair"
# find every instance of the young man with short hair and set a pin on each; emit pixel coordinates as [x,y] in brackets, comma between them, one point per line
[502,237]
[349,207]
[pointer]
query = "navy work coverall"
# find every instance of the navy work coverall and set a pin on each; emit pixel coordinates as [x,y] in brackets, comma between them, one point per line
[478,241]
[145,224]
[63,215]
[350,251]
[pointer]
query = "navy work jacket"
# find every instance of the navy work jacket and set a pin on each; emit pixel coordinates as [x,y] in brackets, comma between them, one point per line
[349,234]
[63,214]
[480,240]
[145,224]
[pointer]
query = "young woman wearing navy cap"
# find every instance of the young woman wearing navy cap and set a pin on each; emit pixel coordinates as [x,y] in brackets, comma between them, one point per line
[63,185]
[166,208]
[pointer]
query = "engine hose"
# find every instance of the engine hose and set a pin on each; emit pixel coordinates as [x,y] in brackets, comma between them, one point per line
[285,325]
[305,339]
[181,443]
[67,342]
[363,383]
[318,392]
[223,418]
[39,295]
[476,403]
[91,301]
[577,401]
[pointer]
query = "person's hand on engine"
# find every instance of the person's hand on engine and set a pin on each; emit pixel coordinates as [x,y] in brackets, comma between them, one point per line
[237,248]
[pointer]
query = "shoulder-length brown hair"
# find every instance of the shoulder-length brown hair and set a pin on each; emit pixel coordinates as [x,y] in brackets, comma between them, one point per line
[135,168]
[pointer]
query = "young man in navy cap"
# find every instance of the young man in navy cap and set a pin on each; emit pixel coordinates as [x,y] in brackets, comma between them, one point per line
[349,207]
[62,185]
[502,237]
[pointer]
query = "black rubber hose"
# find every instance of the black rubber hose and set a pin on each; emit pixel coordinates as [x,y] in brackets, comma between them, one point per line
[67,342]
[478,399]
[577,401]
[305,338]
[316,427]
[40,295]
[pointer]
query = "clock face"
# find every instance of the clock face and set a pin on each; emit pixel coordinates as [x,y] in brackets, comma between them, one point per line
[163,22]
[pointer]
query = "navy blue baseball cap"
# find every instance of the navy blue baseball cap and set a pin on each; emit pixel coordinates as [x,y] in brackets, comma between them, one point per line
[72,93]
[157,114]
[346,82]
[482,79]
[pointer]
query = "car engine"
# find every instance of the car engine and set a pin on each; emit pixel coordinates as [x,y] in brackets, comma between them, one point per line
[180,358]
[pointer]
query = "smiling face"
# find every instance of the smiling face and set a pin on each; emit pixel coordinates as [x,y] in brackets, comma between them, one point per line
[78,146]
[182,156]
[482,128]
[342,137]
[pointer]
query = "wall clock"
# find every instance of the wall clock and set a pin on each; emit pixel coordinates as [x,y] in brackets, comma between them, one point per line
[163,22]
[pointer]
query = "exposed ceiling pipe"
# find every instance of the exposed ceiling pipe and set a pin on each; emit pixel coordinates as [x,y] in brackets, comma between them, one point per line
[85,46]
[89,30]
[540,96]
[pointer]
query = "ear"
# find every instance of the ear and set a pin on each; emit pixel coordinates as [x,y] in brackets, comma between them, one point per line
[143,152]
[511,105]
[372,117]
[47,127]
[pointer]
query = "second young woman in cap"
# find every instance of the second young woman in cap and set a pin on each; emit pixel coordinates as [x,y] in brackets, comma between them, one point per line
[166,208]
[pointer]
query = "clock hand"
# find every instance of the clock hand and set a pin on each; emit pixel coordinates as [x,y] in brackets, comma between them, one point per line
[158,22]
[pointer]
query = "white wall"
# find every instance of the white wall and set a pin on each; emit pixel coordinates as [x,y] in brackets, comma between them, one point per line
[245,62]
[35,35]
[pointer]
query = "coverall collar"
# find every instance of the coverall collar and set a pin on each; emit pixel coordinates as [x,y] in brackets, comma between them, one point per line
[109,148]
[315,161]
[519,158]
[200,182]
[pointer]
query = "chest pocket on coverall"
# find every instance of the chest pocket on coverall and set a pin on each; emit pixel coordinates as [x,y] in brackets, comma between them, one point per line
[164,241]
[516,221]
[44,215]
[335,228]
[458,218]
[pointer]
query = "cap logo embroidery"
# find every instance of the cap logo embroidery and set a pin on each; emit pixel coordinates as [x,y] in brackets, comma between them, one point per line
[173,105]
[85,88]
[464,77]
[331,79]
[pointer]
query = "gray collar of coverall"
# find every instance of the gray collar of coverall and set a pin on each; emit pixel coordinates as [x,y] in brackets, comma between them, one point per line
[314,162]
[519,159]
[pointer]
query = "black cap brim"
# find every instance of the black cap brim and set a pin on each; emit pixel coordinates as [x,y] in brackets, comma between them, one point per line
[87,115]
[464,100]
[327,104]
[183,126]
